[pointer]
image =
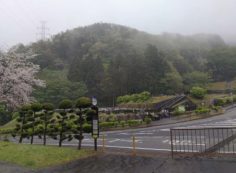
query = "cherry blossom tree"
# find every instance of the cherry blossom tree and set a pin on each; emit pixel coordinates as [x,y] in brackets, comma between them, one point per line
[18,78]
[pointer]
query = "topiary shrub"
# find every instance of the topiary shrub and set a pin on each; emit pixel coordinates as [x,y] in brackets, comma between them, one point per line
[36,107]
[83,102]
[198,92]
[65,104]
[48,106]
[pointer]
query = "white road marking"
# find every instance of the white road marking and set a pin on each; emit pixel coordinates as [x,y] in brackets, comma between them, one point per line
[185,142]
[115,140]
[137,148]
[143,133]
[124,133]
[166,141]
[123,147]
[165,130]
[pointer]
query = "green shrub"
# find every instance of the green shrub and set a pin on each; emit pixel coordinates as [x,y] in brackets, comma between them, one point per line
[65,104]
[122,123]
[134,122]
[6,131]
[36,107]
[87,128]
[202,110]
[48,106]
[228,100]
[134,98]
[83,102]
[15,115]
[26,107]
[179,110]
[215,108]
[198,92]
[219,102]
[103,117]
[112,118]
[147,120]
[107,124]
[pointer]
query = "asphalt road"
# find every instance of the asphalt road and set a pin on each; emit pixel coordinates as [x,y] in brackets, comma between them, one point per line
[151,138]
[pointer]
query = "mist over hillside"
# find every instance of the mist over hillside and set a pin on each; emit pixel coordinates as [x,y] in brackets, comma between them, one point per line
[109,60]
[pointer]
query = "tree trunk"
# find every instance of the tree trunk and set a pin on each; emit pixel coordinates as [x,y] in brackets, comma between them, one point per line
[79,146]
[81,130]
[32,136]
[45,129]
[61,132]
[60,140]
[21,137]
[20,141]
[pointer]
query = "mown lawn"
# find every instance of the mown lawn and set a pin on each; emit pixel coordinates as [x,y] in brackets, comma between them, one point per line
[36,156]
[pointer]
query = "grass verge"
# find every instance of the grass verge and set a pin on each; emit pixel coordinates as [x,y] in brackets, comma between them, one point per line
[35,156]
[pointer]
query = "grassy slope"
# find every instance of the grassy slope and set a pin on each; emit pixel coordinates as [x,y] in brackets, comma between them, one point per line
[220,85]
[9,125]
[146,104]
[35,156]
[208,98]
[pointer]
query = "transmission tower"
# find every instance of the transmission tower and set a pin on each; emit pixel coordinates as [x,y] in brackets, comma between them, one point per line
[43,31]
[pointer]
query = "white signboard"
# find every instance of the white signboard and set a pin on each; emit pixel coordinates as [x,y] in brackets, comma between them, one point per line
[95,128]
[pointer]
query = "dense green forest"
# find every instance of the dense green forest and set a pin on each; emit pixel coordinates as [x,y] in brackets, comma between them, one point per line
[108,60]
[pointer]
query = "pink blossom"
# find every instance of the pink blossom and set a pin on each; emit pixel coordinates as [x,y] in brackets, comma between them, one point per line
[18,78]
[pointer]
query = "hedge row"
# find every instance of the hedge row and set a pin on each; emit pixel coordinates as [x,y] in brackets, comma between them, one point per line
[129,123]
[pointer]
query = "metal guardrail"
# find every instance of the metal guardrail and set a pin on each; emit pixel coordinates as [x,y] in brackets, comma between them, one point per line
[203,140]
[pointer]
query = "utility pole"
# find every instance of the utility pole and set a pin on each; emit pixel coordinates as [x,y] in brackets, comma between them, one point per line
[43,30]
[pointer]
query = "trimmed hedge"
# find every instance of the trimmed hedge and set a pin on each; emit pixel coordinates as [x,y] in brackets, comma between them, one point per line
[6,131]
[130,123]
[202,110]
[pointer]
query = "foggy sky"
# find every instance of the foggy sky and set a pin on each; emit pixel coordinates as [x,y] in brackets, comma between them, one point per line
[20,18]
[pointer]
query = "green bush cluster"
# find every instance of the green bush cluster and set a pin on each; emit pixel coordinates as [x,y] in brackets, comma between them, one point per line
[202,110]
[134,98]
[104,125]
[6,131]
[147,120]
[215,108]
[130,123]
[224,101]
[198,92]
[179,111]
[134,122]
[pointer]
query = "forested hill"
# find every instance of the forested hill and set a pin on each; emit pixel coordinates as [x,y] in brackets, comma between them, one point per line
[108,60]
[109,40]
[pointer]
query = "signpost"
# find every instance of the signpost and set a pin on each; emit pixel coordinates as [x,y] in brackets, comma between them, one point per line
[95,123]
